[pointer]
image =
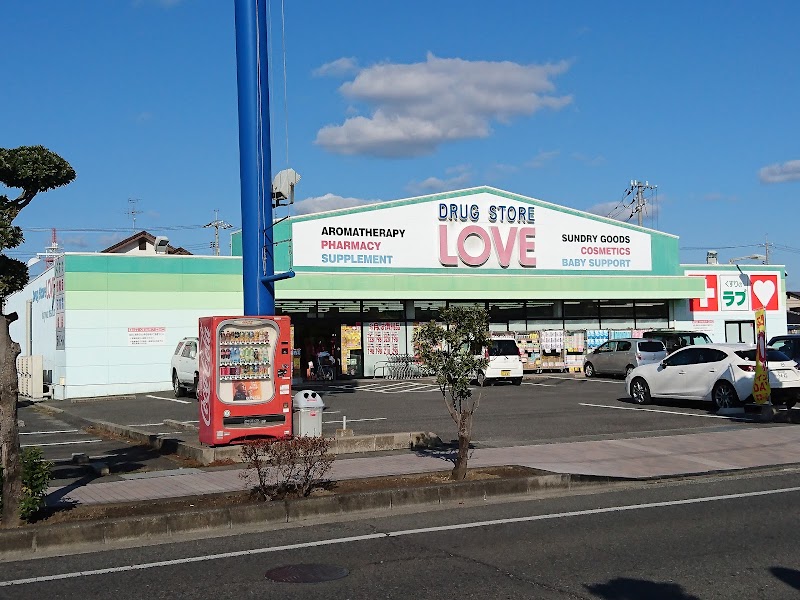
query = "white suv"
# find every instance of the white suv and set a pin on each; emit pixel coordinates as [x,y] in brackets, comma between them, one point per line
[184,366]
[505,363]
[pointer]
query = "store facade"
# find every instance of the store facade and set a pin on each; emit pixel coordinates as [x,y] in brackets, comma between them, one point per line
[558,280]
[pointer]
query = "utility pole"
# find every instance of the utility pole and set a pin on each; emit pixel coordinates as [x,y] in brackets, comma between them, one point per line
[639,188]
[132,210]
[217,224]
[766,249]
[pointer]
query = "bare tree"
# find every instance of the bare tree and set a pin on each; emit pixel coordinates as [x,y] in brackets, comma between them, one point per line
[453,350]
[31,169]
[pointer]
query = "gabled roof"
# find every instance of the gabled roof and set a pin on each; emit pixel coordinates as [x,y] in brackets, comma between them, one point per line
[150,238]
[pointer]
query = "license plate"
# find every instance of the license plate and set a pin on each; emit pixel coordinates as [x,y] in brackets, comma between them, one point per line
[505,373]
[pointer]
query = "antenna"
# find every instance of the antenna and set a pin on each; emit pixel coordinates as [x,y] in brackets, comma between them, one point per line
[217,224]
[132,202]
[52,250]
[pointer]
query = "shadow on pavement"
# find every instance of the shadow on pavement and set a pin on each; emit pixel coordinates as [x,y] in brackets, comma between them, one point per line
[447,452]
[638,589]
[790,577]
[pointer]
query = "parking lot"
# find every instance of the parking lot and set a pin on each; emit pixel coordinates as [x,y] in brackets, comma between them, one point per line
[544,409]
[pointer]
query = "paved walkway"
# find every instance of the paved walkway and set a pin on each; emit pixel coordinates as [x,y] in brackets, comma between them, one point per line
[629,458]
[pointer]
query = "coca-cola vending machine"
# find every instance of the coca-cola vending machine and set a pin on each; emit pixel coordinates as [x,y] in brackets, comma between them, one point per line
[245,375]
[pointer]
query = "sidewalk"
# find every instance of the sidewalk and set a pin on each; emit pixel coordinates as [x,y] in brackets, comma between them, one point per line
[637,458]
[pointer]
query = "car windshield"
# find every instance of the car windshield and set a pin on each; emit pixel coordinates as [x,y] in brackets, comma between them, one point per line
[772,355]
[503,348]
[651,347]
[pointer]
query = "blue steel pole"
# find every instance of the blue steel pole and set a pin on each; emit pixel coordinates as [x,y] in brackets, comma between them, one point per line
[258,266]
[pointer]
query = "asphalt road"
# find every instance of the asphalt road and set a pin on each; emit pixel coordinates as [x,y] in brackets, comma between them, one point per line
[716,538]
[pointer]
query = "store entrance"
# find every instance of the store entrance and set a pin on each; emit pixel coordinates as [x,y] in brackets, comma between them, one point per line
[319,342]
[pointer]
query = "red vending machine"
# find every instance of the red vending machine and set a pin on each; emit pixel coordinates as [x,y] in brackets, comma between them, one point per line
[244,386]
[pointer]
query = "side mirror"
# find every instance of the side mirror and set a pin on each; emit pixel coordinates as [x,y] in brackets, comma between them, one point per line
[596,350]
[663,364]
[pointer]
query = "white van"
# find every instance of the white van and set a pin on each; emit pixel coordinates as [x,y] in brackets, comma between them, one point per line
[505,363]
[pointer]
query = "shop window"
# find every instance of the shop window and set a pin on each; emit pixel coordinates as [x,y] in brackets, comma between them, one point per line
[616,309]
[538,309]
[384,310]
[296,309]
[581,309]
[345,310]
[428,310]
[651,315]
[468,304]
[503,312]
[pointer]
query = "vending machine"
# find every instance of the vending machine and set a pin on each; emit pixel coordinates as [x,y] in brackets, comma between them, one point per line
[245,374]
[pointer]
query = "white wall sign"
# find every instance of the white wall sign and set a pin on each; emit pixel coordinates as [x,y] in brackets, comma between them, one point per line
[473,232]
[147,336]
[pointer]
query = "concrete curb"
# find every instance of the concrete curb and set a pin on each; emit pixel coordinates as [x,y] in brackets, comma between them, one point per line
[206,455]
[37,538]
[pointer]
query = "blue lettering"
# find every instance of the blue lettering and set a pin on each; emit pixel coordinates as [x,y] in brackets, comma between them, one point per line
[442,212]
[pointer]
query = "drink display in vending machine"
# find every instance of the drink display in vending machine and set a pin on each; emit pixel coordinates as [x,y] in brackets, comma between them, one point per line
[245,374]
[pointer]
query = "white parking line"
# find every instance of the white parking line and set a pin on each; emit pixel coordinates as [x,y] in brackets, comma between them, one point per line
[355,420]
[48,432]
[539,384]
[170,399]
[668,412]
[61,443]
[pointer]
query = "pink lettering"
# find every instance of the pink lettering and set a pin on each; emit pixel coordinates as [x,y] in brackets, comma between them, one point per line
[502,250]
[466,257]
[526,245]
[445,259]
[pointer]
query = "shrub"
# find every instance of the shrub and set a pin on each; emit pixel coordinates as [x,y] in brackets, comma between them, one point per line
[36,476]
[282,468]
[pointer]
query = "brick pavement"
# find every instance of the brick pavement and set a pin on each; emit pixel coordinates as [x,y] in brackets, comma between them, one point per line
[636,458]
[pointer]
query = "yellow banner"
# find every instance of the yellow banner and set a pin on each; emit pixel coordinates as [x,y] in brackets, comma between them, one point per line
[761,389]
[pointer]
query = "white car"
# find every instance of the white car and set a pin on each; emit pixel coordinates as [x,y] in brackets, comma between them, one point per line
[722,373]
[184,367]
[505,363]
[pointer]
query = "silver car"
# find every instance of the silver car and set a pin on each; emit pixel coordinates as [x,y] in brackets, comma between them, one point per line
[620,357]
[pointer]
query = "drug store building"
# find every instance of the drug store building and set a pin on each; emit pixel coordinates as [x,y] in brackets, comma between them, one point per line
[560,281]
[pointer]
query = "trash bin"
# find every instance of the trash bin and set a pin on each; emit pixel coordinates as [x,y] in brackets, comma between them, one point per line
[307,414]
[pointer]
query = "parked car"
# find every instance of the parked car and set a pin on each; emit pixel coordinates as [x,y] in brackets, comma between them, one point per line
[184,367]
[788,344]
[675,340]
[505,363]
[620,357]
[721,373]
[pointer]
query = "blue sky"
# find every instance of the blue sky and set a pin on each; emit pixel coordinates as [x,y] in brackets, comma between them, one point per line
[562,101]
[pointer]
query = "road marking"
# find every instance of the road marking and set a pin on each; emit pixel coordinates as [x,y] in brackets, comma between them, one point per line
[541,384]
[61,443]
[393,534]
[666,412]
[356,420]
[402,387]
[170,399]
[584,379]
[48,432]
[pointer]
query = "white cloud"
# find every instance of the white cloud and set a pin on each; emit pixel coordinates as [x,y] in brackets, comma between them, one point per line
[539,161]
[780,173]
[417,107]
[337,68]
[460,178]
[77,241]
[327,202]
[592,161]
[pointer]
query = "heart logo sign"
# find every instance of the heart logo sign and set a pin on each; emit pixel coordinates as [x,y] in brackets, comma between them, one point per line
[764,291]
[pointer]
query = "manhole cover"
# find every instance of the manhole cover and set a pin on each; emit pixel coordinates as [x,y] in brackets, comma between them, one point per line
[306,573]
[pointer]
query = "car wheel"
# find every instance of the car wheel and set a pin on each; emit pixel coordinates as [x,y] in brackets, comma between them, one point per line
[179,390]
[628,370]
[588,370]
[790,404]
[640,391]
[724,395]
[482,381]
[518,381]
